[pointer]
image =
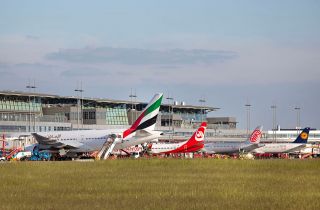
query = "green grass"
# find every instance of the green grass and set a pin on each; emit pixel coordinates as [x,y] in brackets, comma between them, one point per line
[161,184]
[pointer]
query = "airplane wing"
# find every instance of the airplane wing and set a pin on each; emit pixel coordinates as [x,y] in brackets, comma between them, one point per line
[250,147]
[207,150]
[297,148]
[46,143]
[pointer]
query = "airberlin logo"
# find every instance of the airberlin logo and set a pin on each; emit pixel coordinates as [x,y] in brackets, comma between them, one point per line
[255,136]
[199,136]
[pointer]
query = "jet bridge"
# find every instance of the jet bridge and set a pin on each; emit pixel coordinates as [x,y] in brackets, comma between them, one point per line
[107,147]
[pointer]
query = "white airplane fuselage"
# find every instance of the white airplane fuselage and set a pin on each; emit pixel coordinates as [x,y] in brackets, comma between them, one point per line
[279,148]
[163,148]
[93,140]
[227,147]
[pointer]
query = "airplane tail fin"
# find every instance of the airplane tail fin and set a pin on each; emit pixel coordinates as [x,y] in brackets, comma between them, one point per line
[147,119]
[256,135]
[303,136]
[198,136]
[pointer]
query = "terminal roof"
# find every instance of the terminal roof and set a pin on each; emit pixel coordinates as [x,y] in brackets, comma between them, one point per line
[9,93]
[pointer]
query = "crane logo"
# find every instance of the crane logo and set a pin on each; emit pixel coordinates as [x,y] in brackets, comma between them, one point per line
[255,136]
[304,135]
[199,136]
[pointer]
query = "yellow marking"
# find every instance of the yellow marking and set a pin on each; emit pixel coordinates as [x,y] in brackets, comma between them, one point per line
[304,135]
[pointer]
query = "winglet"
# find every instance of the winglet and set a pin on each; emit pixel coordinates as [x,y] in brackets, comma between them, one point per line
[303,136]
[256,135]
[148,118]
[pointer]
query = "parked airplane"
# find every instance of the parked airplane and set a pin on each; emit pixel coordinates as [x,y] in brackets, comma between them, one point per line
[79,141]
[298,144]
[195,143]
[235,147]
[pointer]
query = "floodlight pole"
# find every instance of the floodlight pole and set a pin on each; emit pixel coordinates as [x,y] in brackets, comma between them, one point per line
[79,103]
[132,96]
[202,101]
[248,106]
[274,121]
[298,118]
[33,87]
[170,114]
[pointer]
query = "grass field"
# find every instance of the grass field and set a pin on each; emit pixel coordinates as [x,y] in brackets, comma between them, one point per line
[161,184]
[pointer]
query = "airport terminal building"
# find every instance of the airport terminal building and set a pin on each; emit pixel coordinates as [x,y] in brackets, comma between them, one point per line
[37,112]
[25,112]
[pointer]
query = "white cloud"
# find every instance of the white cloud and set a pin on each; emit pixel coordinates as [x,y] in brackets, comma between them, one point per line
[255,64]
[25,49]
[134,56]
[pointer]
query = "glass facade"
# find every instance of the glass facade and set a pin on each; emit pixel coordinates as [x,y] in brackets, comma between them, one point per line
[9,105]
[22,117]
[50,108]
[12,128]
[192,117]
[26,115]
[116,116]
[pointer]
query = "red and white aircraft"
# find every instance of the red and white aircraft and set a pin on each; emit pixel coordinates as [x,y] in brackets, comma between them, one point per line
[195,143]
[221,147]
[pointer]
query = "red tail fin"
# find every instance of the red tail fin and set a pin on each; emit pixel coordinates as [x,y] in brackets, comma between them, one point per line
[196,142]
[256,135]
[199,134]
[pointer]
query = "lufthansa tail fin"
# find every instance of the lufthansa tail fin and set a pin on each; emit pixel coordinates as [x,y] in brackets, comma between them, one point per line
[303,136]
[256,135]
[148,118]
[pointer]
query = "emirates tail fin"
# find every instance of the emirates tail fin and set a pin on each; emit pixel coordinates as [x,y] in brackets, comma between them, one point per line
[147,119]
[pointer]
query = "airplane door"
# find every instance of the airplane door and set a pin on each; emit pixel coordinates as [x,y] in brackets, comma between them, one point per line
[82,138]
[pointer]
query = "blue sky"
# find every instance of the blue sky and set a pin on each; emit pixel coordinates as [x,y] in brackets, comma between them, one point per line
[230,52]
